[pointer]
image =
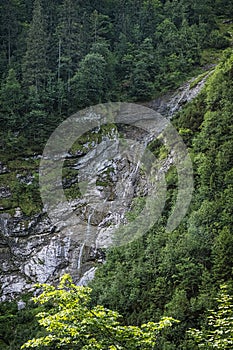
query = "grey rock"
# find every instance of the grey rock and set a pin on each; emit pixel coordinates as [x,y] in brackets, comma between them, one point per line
[3,168]
[110,177]
[5,192]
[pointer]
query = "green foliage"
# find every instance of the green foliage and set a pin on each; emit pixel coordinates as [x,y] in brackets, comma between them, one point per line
[71,323]
[72,54]
[16,326]
[57,57]
[177,274]
[68,43]
[35,66]
[218,332]
[88,85]
[137,206]
[11,100]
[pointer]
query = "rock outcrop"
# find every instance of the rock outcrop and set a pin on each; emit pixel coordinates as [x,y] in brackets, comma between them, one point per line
[34,249]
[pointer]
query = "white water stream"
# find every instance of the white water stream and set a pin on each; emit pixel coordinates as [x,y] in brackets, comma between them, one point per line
[87,239]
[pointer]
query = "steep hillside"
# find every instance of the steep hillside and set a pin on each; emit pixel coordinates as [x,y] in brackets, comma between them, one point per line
[60,57]
[34,247]
[178,273]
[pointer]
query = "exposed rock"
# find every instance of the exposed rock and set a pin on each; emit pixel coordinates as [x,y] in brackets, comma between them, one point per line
[171,103]
[34,250]
[110,177]
[87,277]
[27,180]
[21,305]
[5,192]
[3,168]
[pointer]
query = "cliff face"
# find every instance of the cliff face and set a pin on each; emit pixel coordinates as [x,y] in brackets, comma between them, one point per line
[35,249]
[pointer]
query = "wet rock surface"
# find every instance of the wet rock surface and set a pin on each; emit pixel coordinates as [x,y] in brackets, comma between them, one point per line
[109,179]
[34,249]
[170,103]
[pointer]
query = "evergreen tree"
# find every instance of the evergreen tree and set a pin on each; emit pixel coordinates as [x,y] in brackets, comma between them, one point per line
[9,28]
[143,72]
[100,26]
[88,85]
[218,333]
[11,102]
[37,118]
[69,45]
[35,70]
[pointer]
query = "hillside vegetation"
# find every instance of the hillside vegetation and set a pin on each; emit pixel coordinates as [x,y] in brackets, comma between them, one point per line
[57,57]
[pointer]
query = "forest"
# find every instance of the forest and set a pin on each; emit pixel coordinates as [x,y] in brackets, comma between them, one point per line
[60,56]
[164,290]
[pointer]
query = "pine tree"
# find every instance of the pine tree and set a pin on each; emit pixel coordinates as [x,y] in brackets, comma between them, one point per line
[68,41]
[100,26]
[143,73]
[35,71]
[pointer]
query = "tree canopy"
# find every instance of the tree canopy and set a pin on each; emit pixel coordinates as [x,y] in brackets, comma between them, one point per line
[71,323]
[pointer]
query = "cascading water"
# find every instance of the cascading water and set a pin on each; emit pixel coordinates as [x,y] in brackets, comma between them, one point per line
[87,239]
[32,245]
[80,257]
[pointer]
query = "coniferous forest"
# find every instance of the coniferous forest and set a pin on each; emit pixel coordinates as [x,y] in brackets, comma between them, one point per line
[58,57]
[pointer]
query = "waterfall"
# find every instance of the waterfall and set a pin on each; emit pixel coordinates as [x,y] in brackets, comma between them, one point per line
[88,235]
[80,256]
[137,167]
[87,277]
[86,239]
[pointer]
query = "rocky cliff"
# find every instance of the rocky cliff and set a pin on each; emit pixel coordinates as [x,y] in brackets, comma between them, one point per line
[35,249]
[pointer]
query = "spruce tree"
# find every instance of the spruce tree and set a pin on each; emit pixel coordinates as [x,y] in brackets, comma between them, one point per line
[35,71]
[68,41]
